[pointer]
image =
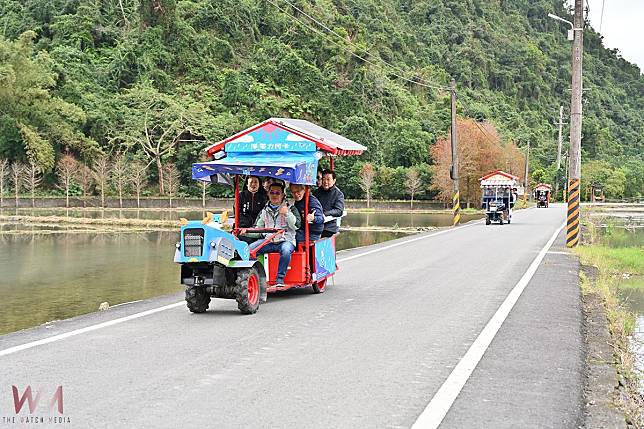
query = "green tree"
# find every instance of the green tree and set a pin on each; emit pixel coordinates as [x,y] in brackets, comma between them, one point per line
[46,123]
[155,123]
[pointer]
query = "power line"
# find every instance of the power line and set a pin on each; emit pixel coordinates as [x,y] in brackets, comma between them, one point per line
[419,82]
[601,20]
[483,130]
[430,85]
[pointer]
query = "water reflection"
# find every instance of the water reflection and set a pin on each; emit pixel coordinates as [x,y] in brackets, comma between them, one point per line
[626,230]
[46,277]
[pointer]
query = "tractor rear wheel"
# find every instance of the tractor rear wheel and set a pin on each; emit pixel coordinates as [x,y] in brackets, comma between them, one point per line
[319,287]
[247,290]
[197,299]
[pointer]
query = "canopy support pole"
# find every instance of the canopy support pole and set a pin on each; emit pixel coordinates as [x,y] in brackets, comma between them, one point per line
[306,233]
[236,201]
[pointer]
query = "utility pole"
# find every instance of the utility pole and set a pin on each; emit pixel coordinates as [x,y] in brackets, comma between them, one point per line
[525,179]
[456,205]
[559,144]
[559,141]
[574,181]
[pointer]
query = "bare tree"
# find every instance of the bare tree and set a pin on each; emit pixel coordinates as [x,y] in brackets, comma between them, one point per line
[171,179]
[4,172]
[66,170]
[101,172]
[367,178]
[413,184]
[119,176]
[83,176]
[17,178]
[33,178]
[138,179]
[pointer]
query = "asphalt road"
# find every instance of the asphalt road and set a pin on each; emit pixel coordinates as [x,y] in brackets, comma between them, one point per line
[369,353]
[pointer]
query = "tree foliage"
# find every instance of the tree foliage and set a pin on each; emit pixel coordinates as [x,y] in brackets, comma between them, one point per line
[161,79]
[480,151]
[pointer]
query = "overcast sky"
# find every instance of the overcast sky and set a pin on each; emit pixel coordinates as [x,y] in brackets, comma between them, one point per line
[622,27]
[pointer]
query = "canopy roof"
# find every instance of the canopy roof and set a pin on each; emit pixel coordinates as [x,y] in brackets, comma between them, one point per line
[498,178]
[294,167]
[542,187]
[287,149]
[285,132]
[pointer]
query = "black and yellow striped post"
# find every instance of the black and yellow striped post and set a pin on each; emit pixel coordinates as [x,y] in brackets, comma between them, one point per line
[456,208]
[572,223]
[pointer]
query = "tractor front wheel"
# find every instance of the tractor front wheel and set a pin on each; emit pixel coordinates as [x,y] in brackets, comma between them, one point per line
[247,290]
[197,299]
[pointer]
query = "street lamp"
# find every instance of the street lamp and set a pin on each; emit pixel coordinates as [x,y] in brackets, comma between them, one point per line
[571,33]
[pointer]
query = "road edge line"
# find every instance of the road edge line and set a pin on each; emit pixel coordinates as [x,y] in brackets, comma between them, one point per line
[438,407]
[90,328]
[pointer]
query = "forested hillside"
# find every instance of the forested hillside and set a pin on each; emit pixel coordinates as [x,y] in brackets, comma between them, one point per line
[156,80]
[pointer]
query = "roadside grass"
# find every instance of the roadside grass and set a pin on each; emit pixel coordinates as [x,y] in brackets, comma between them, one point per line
[614,264]
[614,260]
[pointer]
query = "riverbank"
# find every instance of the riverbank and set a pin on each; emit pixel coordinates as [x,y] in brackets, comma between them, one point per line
[55,220]
[25,202]
[614,377]
[219,204]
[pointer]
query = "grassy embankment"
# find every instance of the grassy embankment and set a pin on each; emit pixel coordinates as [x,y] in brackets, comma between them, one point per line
[614,265]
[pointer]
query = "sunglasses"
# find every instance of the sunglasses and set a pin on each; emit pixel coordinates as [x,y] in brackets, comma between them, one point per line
[275,193]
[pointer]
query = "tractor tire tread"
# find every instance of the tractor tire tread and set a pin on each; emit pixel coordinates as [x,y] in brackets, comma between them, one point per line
[241,291]
[197,299]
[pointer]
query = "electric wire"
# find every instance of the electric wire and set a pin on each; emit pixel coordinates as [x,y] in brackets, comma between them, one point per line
[419,82]
[478,125]
[321,24]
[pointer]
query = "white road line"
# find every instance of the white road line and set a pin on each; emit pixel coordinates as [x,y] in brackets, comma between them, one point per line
[59,337]
[442,401]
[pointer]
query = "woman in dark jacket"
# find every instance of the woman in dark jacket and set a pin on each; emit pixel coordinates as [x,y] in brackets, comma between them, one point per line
[251,201]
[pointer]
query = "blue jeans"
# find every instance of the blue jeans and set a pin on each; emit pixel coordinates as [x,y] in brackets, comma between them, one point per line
[285,249]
